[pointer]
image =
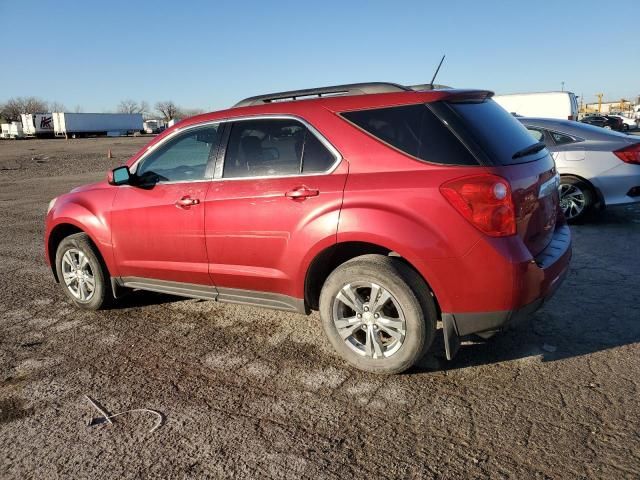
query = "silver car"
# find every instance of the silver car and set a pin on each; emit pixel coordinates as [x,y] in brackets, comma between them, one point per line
[597,167]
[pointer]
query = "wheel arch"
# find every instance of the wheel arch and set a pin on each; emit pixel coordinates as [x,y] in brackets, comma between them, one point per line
[600,198]
[327,260]
[61,231]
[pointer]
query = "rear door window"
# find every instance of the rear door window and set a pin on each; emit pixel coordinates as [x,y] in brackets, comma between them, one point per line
[274,147]
[414,130]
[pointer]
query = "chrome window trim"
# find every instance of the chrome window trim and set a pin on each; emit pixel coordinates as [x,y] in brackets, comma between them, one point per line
[333,150]
[328,145]
[133,168]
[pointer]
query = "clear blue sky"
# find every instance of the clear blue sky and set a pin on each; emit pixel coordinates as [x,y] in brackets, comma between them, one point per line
[210,54]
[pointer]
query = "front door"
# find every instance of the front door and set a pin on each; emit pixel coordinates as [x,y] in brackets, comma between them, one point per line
[158,221]
[277,199]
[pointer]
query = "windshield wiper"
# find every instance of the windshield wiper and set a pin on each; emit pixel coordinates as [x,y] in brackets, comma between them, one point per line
[536,147]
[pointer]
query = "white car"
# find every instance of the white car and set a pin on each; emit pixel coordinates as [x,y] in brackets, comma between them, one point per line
[597,167]
[627,123]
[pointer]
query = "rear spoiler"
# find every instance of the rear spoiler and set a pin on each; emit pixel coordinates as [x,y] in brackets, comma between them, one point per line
[469,96]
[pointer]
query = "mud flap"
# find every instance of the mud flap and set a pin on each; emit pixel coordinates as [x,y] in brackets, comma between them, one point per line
[451,339]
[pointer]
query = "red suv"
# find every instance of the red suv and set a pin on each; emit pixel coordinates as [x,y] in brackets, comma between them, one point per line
[385,208]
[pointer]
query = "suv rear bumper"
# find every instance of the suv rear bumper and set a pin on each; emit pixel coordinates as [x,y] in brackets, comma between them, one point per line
[553,262]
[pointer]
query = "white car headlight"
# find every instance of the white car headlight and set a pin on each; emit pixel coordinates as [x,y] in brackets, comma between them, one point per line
[51,204]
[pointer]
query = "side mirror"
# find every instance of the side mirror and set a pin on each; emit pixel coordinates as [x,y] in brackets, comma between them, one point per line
[119,176]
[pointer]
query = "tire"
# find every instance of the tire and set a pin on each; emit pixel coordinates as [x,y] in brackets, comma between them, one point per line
[572,188]
[72,251]
[409,304]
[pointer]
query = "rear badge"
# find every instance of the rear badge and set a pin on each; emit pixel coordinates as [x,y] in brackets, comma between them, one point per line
[549,186]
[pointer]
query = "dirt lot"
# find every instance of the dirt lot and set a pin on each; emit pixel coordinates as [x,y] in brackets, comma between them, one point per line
[255,393]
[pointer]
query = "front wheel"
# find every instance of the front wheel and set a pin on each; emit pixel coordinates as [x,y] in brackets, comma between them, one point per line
[378,313]
[81,273]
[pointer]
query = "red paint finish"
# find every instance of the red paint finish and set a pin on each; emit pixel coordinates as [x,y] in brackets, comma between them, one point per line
[156,236]
[257,235]
[262,234]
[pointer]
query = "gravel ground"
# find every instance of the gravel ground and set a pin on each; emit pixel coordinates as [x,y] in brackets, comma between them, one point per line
[254,393]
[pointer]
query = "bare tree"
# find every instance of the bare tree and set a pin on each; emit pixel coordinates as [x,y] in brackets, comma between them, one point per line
[128,106]
[34,105]
[144,109]
[12,109]
[168,109]
[57,107]
[131,106]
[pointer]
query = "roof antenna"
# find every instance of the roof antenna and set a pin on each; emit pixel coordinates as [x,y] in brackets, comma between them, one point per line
[437,70]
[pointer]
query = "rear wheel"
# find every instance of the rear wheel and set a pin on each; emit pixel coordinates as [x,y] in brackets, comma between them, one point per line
[577,199]
[378,313]
[82,275]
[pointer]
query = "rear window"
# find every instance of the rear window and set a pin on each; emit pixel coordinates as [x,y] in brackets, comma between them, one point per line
[497,132]
[414,130]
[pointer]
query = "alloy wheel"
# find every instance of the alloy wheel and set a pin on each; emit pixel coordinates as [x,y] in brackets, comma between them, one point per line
[572,200]
[78,275]
[369,319]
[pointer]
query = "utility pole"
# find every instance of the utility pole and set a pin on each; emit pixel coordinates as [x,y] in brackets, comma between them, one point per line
[599,95]
[562,85]
[582,103]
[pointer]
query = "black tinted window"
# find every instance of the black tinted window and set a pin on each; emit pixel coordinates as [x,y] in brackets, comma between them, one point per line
[497,131]
[265,147]
[415,130]
[182,158]
[316,158]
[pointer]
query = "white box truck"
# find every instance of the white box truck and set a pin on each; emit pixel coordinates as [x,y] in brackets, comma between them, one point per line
[82,124]
[37,124]
[563,105]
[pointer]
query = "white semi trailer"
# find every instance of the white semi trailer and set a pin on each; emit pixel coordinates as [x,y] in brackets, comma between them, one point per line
[82,124]
[37,124]
[563,105]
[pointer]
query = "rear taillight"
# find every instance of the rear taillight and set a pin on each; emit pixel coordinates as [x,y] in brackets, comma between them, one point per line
[485,201]
[570,117]
[630,154]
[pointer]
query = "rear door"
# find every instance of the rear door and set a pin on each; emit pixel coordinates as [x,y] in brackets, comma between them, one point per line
[277,196]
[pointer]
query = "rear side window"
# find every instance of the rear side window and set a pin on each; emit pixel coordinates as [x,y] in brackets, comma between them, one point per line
[497,132]
[561,139]
[538,135]
[274,147]
[414,130]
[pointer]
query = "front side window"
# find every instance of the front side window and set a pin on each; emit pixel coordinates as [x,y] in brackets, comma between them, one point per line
[274,147]
[183,158]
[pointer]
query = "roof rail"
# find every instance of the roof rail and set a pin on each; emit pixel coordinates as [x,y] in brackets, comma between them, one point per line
[349,89]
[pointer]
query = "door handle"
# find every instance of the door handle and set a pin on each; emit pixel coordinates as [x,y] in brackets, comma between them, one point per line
[302,193]
[186,202]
